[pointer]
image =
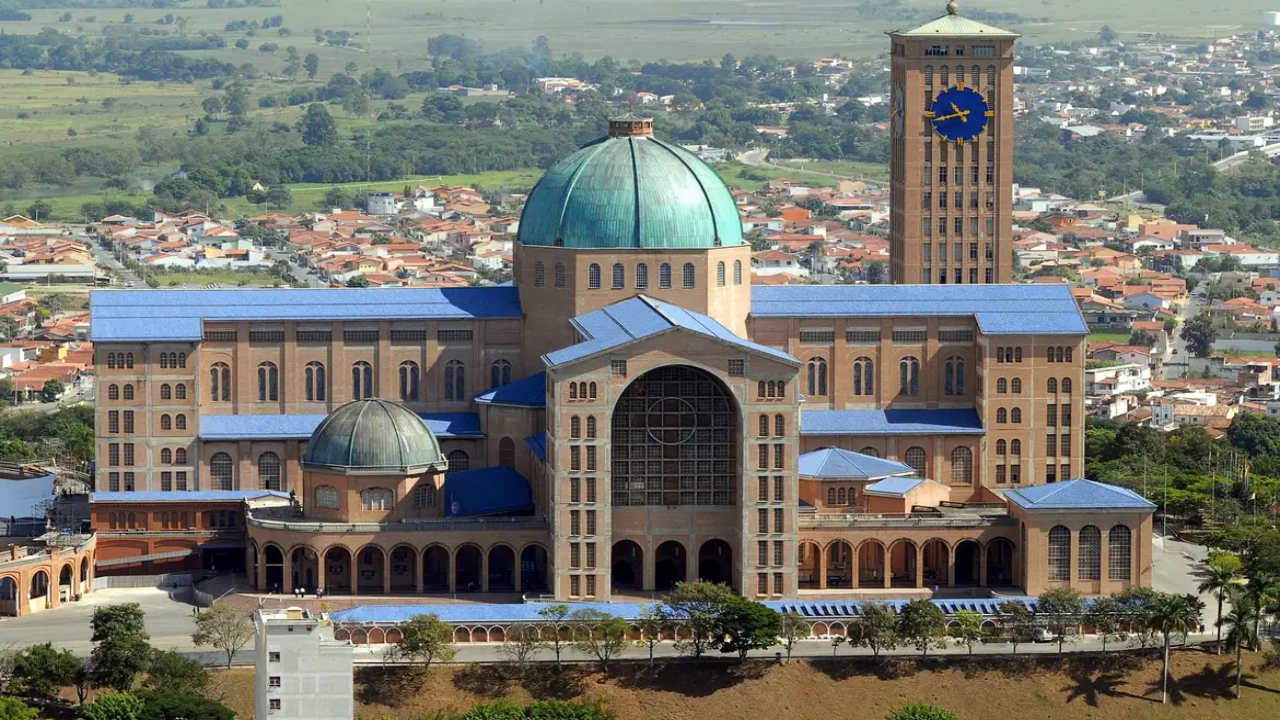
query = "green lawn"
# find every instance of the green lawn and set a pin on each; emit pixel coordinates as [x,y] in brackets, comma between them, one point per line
[219,277]
[845,168]
[1101,337]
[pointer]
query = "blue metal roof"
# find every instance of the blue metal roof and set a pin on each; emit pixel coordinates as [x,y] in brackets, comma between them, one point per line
[895,486]
[640,317]
[1079,494]
[300,427]
[526,392]
[946,421]
[184,496]
[538,444]
[486,491]
[998,309]
[139,315]
[837,463]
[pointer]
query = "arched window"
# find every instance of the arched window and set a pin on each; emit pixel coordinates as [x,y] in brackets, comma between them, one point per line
[764,426]
[361,380]
[642,276]
[689,279]
[410,380]
[954,372]
[458,460]
[539,274]
[1119,553]
[180,421]
[720,274]
[559,274]
[817,376]
[455,380]
[593,276]
[113,392]
[166,457]
[377,499]
[327,497]
[760,389]
[180,391]
[870,452]
[166,422]
[182,360]
[831,497]
[619,276]
[1059,555]
[499,373]
[1002,416]
[269,471]
[841,496]
[1066,386]
[180,456]
[424,495]
[128,360]
[220,383]
[864,376]
[315,382]
[1069,351]
[506,452]
[591,427]
[268,382]
[575,427]
[737,272]
[779,426]
[1015,447]
[221,472]
[916,459]
[128,391]
[591,391]
[1053,385]
[1017,354]
[573,391]
[1002,447]
[664,275]
[1015,416]
[961,465]
[1008,354]
[111,361]
[164,361]
[1017,386]
[1090,562]
[909,376]
[1002,386]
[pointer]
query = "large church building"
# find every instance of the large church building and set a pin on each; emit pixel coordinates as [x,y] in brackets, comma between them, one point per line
[629,413]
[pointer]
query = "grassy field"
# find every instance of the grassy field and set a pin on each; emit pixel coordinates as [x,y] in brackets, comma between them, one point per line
[218,277]
[1101,337]
[1121,688]
[844,168]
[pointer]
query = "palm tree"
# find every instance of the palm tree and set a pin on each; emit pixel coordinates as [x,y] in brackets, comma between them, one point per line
[1241,622]
[1219,575]
[1170,615]
[1263,590]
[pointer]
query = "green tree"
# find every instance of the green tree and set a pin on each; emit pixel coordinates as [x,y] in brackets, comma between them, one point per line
[968,629]
[40,671]
[211,106]
[1106,35]
[1240,622]
[356,103]
[600,635]
[359,281]
[235,99]
[311,63]
[1105,615]
[317,126]
[224,628]
[279,196]
[877,629]
[121,647]
[1219,576]
[1263,590]
[746,625]
[171,671]
[8,327]
[425,638]
[175,705]
[920,711]
[556,615]
[113,706]
[53,389]
[1199,333]
[521,643]
[1171,615]
[921,623]
[653,623]
[15,709]
[39,210]
[1016,622]
[792,628]
[875,272]
[1062,611]
[697,607]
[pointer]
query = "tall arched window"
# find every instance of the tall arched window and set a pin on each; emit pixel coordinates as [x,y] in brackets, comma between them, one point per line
[1017,386]
[831,496]
[180,421]
[128,361]
[268,382]
[458,460]
[917,460]
[664,275]
[539,274]
[1017,354]
[1053,385]
[506,452]
[1090,562]
[327,497]
[737,272]
[315,382]
[961,465]
[128,391]
[410,380]
[166,422]
[221,472]
[817,376]
[842,496]
[593,276]
[642,276]
[1015,416]
[689,278]
[180,456]
[166,457]
[1066,386]
[1002,447]
[559,274]
[164,361]
[870,452]
[269,471]
[764,426]
[1015,447]
[1002,416]
[864,376]
[1002,386]
[1059,555]
[424,495]
[591,427]
[111,361]
[909,376]
[361,380]
[220,383]
[1119,553]
[575,427]
[954,373]
[377,499]
[619,276]
[720,274]
[113,392]
[779,426]
[166,391]
[455,380]
[499,373]
[182,360]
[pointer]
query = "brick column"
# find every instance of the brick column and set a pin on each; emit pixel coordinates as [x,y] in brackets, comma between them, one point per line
[951,566]
[1075,558]
[919,566]
[261,580]
[386,572]
[286,572]
[419,571]
[853,567]
[453,570]
[647,565]
[982,567]
[484,572]
[354,572]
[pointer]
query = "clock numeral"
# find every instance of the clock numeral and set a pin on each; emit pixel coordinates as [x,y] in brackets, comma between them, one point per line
[959,84]
[959,142]
[929,113]
[973,139]
[990,113]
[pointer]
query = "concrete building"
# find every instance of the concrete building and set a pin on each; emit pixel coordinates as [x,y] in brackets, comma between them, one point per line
[300,671]
[1117,379]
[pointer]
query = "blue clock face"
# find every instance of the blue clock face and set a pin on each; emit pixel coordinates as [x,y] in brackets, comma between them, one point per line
[959,113]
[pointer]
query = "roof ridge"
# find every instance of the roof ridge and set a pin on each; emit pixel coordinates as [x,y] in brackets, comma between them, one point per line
[652,304]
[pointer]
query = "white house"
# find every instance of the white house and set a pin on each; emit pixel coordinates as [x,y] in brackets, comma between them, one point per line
[1116,379]
[300,670]
[773,262]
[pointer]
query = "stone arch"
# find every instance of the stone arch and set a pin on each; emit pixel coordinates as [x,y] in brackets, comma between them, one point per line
[533,568]
[304,567]
[871,564]
[337,569]
[1000,554]
[9,600]
[968,553]
[626,565]
[273,564]
[404,569]
[359,636]
[468,566]
[670,565]
[937,562]
[85,581]
[903,563]
[377,636]
[39,587]
[497,633]
[809,565]
[435,568]
[502,568]
[838,564]
[67,581]
[715,562]
[370,562]
[461,634]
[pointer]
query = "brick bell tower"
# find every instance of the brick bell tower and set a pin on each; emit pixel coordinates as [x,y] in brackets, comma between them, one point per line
[951,152]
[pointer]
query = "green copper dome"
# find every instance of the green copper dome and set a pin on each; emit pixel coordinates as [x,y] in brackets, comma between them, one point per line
[631,190]
[373,436]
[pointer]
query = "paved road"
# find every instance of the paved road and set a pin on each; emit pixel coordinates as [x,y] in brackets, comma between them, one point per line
[168,622]
[1177,357]
[298,272]
[105,259]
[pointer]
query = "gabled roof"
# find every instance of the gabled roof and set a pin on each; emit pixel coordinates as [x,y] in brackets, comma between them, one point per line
[538,445]
[486,491]
[895,486]
[527,392]
[640,317]
[1079,494]
[952,25]
[837,463]
[947,421]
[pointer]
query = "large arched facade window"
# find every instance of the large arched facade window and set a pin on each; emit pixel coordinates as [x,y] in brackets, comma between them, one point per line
[377,499]
[268,382]
[690,276]
[221,472]
[642,276]
[499,373]
[459,460]
[664,276]
[962,466]
[361,380]
[424,495]
[327,497]
[455,380]
[864,376]
[269,471]
[1090,562]
[917,459]
[1120,553]
[593,277]
[954,376]
[909,376]
[410,381]
[220,383]
[817,376]
[619,276]
[1059,554]
[315,382]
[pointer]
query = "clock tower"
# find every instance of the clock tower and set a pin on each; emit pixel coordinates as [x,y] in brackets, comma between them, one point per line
[951,152]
